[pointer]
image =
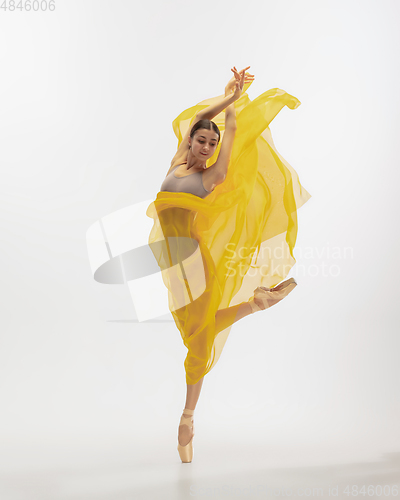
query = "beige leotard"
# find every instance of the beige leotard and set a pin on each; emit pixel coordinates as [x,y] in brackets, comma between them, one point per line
[192,183]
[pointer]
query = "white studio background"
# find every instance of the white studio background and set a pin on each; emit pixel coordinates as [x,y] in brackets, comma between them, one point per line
[88,93]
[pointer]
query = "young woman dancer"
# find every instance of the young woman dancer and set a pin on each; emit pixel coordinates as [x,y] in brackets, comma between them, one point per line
[210,222]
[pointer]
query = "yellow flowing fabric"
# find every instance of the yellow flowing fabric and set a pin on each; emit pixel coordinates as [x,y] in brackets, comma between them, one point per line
[214,252]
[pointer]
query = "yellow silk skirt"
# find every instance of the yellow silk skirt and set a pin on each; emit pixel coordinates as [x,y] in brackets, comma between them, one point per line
[214,252]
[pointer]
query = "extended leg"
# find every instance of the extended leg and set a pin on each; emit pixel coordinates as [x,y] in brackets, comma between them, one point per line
[223,319]
[192,396]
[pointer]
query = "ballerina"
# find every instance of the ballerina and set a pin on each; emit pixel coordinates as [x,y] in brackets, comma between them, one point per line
[187,220]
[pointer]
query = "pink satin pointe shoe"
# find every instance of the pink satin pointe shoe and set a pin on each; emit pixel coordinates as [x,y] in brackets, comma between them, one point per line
[271,296]
[186,452]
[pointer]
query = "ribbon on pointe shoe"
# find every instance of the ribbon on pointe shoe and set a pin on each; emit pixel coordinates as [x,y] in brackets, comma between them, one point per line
[254,306]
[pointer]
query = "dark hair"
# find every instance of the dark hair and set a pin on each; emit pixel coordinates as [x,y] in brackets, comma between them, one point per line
[207,124]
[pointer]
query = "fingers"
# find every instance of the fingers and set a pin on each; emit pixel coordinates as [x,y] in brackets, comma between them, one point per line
[235,71]
[239,74]
[241,77]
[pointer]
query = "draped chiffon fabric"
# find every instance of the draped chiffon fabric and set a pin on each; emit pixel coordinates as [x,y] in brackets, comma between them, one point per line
[214,251]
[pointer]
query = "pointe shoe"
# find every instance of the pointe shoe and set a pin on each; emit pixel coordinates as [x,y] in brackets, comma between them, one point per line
[265,294]
[271,296]
[186,452]
[283,285]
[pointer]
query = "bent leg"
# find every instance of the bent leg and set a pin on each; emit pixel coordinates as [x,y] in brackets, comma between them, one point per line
[228,316]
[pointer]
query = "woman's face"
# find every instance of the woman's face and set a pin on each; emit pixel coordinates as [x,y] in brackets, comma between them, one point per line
[204,141]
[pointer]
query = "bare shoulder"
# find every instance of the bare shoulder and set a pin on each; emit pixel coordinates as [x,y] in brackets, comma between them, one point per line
[177,161]
[182,153]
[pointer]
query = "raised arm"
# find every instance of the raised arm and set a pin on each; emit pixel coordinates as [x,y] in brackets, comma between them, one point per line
[207,113]
[236,85]
[239,78]
[219,170]
[214,109]
[220,167]
[230,112]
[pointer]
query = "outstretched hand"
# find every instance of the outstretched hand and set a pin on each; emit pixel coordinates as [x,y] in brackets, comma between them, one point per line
[237,82]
